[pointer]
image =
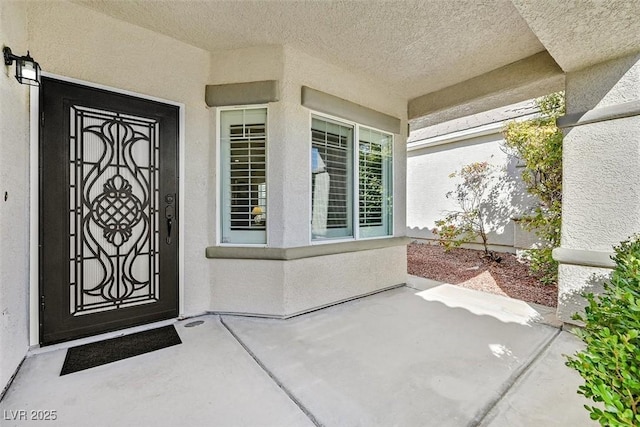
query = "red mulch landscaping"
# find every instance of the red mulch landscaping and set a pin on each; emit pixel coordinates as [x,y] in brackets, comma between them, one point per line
[467,268]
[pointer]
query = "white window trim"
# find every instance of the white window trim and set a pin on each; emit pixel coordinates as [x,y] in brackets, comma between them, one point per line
[391,181]
[218,175]
[356,182]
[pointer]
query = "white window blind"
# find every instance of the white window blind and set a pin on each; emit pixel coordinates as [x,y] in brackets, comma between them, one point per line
[331,179]
[243,141]
[374,183]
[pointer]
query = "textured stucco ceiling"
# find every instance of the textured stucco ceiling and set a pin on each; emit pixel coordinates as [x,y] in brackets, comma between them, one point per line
[580,33]
[416,47]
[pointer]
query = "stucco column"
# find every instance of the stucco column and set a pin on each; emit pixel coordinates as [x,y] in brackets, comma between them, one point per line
[14,196]
[601,163]
[290,158]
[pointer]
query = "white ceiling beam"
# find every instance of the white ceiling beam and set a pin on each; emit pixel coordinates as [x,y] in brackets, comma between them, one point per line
[528,78]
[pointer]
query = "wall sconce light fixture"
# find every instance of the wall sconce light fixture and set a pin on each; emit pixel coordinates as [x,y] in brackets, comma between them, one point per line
[27,70]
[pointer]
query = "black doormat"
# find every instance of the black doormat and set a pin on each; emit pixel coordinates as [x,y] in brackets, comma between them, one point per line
[114,349]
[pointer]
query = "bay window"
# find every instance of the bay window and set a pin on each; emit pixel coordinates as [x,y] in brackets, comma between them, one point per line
[351,194]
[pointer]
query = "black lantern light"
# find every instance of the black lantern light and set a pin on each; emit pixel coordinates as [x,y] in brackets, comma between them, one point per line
[27,70]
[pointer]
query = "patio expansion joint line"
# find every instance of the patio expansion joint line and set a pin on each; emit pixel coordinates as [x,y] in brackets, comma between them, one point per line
[482,415]
[411,287]
[5,390]
[275,379]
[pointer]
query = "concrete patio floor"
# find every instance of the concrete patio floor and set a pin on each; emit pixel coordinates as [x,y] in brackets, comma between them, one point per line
[425,354]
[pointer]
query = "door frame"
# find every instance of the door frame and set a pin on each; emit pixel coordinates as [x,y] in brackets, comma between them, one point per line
[34,191]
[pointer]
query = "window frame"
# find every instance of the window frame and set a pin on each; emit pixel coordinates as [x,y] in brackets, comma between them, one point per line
[350,206]
[355,205]
[390,213]
[220,178]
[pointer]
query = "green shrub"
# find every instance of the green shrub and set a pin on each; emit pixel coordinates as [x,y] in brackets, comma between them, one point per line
[475,197]
[610,364]
[538,144]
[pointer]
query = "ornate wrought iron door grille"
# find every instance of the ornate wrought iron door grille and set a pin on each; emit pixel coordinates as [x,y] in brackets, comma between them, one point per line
[114,215]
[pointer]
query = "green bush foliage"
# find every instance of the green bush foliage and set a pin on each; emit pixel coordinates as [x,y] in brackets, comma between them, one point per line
[538,143]
[474,195]
[610,364]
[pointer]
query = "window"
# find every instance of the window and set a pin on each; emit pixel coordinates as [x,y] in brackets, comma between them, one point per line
[333,174]
[243,144]
[374,183]
[331,179]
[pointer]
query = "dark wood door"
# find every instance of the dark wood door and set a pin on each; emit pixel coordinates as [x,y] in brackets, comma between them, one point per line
[108,253]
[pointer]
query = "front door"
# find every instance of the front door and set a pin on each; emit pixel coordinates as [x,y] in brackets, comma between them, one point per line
[108,253]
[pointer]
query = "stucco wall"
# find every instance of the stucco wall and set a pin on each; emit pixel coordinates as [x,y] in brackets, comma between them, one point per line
[596,217]
[73,41]
[289,188]
[601,160]
[14,198]
[573,281]
[284,287]
[247,65]
[304,70]
[311,284]
[248,286]
[428,182]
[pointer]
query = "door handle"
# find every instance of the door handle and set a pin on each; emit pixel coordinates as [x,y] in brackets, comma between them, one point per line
[169,225]
[169,214]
